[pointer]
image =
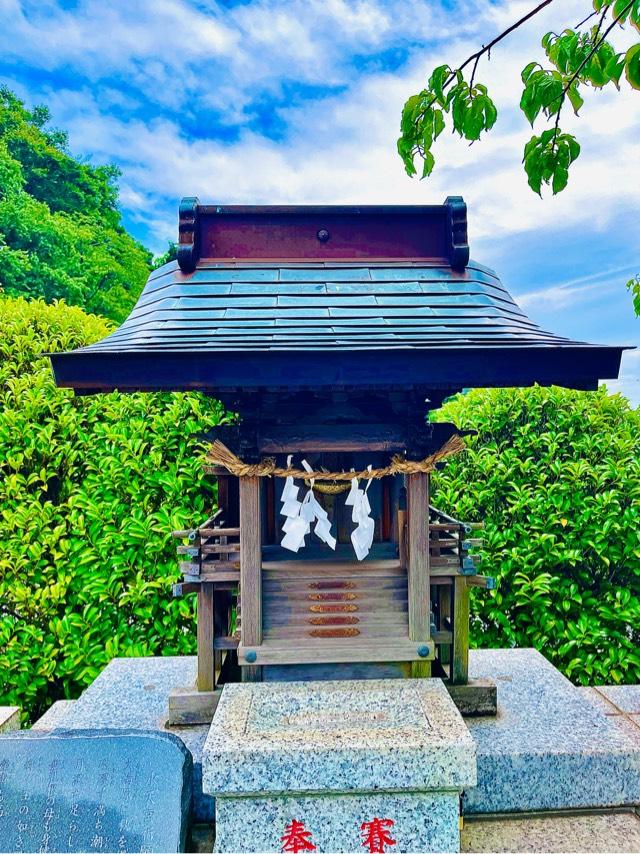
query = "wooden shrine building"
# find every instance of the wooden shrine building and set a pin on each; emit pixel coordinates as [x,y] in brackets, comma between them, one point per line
[332,331]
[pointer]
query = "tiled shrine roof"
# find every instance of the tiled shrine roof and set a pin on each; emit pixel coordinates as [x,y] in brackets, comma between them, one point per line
[262,322]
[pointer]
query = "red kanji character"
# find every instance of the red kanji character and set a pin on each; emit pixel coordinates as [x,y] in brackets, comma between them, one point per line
[374,835]
[296,838]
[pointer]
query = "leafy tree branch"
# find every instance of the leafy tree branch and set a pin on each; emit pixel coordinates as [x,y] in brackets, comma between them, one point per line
[578,58]
[634,286]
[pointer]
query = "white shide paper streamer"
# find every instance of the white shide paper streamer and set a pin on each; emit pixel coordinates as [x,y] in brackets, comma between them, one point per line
[362,535]
[302,514]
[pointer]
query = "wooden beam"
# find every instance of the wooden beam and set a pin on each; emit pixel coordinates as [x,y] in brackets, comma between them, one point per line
[182,588]
[486,581]
[218,576]
[206,676]
[250,571]
[460,651]
[207,533]
[419,591]
[211,566]
[337,651]
[360,436]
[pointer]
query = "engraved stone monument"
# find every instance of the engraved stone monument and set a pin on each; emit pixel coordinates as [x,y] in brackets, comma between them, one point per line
[93,790]
[338,766]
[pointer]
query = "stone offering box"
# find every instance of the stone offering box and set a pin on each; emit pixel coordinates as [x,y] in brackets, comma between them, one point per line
[334,332]
[340,765]
[94,790]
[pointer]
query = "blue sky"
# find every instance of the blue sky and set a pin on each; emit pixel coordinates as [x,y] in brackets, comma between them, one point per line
[299,101]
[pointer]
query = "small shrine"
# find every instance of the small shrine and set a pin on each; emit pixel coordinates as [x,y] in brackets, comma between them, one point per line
[332,332]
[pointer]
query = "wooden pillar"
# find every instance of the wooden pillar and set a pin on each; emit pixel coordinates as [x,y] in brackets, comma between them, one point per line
[250,571]
[460,653]
[206,658]
[418,566]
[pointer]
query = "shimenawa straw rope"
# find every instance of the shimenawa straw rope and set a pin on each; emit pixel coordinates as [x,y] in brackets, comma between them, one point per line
[220,455]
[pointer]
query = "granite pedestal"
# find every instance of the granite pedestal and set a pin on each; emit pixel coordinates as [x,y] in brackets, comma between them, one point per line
[338,765]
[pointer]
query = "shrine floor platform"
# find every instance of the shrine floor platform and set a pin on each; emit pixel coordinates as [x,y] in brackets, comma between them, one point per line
[552,746]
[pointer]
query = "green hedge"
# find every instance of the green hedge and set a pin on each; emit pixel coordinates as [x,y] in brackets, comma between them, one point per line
[555,475]
[90,489]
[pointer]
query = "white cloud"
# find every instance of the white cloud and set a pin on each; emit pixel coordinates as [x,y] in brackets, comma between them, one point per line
[333,149]
[577,290]
[342,149]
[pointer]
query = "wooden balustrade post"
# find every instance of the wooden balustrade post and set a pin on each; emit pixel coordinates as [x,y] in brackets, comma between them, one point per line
[250,572]
[206,658]
[460,652]
[418,566]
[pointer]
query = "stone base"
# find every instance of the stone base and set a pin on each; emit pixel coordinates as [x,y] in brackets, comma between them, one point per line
[133,693]
[421,822]
[55,716]
[549,747]
[478,698]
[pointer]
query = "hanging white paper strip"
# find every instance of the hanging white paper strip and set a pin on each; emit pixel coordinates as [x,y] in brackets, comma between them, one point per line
[302,514]
[294,527]
[312,511]
[362,535]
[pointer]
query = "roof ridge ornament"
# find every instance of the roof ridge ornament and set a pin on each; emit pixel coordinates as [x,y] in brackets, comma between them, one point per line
[457,232]
[188,234]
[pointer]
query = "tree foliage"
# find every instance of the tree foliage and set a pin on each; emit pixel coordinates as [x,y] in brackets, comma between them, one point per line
[90,489]
[634,286]
[60,231]
[555,476]
[170,254]
[578,59]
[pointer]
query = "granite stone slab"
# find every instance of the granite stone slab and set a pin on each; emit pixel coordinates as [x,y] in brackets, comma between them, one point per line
[598,700]
[9,718]
[619,832]
[134,693]
[549,747]
[420,822]
[625,697]
[94,790]
[337,736]
[55,715]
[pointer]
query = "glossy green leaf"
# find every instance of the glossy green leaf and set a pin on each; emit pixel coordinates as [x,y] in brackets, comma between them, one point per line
[632,66]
